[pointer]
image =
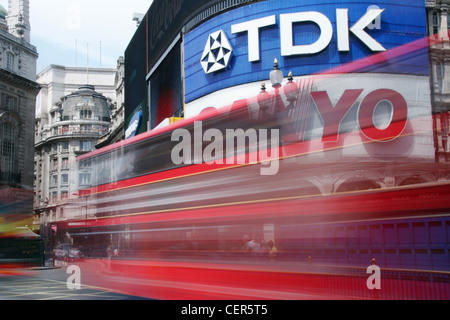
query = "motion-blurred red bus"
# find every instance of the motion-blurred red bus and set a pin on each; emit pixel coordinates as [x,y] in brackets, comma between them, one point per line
[355,183]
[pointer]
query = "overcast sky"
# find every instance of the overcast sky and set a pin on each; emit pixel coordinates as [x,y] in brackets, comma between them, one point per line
[65,31]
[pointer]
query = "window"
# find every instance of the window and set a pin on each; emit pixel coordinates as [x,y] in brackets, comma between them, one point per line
[7,139]
[65,145]
[85,145]
[64,178]
[65,163]
[436,24]
[85,164]
[85,179]
[53,180]
[85,114]
[55,164]
[9,103]
[7,147]
[9,61]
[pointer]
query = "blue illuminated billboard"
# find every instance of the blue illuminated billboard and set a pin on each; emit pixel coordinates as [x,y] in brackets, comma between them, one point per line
[307,37]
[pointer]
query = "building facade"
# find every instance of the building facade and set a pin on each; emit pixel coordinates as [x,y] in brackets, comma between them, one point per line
[71,117]
[438,26]
[18,90]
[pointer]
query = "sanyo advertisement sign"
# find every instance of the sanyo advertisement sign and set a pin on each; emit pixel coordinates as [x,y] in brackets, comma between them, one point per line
[307,37]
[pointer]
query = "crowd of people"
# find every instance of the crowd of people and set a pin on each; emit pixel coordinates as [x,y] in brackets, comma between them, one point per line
[257,246]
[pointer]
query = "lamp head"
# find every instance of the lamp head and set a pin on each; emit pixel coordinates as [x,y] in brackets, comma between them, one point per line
[276,75]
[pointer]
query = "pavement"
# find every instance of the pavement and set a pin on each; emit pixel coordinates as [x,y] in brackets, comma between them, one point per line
[49,284]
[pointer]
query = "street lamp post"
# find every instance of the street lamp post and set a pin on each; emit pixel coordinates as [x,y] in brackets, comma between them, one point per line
[276,77]
[290,91]
[265,102]
[273,105]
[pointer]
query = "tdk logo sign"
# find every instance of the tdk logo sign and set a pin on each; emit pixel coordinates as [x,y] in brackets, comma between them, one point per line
[218,51]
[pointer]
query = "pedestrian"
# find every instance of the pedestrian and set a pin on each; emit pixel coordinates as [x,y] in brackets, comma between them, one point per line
[272,250]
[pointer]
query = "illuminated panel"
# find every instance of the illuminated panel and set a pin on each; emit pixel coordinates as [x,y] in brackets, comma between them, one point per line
[323,36]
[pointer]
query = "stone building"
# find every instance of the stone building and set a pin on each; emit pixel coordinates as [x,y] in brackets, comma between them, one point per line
[18,90]
[70,119]
[438,26]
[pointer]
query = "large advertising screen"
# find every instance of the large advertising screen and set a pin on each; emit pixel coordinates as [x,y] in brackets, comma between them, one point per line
[306,37]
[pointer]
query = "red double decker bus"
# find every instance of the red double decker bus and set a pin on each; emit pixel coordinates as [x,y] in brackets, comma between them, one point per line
[326,188]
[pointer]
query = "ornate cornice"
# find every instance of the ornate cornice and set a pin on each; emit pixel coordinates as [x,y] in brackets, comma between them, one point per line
[19,81]
[7,40]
